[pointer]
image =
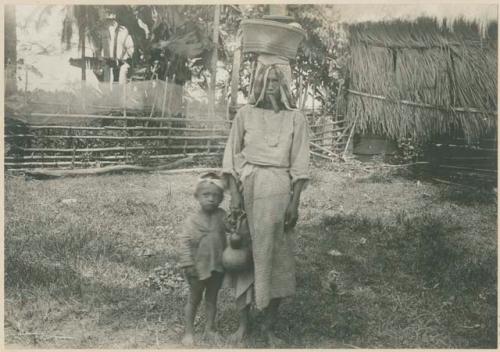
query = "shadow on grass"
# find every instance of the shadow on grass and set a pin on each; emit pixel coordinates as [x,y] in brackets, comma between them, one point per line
[51,258]
[390,285]
[413,283]
[467,195]
[390,173]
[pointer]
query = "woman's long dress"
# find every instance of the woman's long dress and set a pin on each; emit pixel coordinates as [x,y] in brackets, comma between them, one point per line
[267,152]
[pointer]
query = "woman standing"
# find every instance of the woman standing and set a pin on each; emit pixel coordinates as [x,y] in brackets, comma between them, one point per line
[266,161]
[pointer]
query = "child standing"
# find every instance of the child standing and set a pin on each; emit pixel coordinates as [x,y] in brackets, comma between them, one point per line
[201,245]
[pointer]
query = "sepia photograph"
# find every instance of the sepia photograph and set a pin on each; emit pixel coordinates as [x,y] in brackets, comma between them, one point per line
[270,175]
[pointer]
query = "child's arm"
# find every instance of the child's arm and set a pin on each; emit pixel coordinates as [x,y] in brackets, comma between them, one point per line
[185,254]
[227,226]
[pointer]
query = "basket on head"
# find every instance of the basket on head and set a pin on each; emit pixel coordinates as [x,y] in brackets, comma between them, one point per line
[271,37]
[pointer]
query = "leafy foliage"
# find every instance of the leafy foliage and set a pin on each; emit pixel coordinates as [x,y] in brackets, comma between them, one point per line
[174,43]
[409,150]
[322,57]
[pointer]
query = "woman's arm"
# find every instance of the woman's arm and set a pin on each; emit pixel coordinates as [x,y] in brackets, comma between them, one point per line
[292,211]
[297,188]
[234,146]
[236,199]
[299,168]
[299,151]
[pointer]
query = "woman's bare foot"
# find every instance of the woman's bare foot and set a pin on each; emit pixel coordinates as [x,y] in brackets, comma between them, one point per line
[274,341]
[188,340]
[238,338]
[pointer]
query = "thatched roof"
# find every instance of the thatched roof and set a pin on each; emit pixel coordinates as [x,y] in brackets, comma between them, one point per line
[442,12]
[423,79]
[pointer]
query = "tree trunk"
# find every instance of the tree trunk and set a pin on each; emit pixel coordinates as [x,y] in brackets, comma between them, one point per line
[10,59]
[213,75]
[82,36]
[235,80]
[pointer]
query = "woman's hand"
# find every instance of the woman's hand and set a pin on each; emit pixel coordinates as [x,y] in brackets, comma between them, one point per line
[291,215]
[292,211]
[235,204]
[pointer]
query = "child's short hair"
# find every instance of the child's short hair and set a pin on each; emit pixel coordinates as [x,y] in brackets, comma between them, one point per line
[209,178]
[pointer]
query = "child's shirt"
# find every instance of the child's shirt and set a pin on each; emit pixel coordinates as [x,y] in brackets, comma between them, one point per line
[202,242]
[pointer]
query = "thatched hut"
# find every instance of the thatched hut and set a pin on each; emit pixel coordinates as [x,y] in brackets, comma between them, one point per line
[422,78]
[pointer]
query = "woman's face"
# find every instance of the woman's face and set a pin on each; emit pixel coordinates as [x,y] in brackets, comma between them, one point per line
[273,85]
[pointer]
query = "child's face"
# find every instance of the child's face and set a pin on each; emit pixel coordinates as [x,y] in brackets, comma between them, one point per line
[209,196]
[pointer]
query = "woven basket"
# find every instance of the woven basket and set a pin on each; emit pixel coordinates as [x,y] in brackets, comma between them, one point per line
[271,37]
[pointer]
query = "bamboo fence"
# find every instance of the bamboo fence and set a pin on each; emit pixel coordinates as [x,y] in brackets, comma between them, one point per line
[94,141]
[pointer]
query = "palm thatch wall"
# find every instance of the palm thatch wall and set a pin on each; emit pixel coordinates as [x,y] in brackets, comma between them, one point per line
[422,78]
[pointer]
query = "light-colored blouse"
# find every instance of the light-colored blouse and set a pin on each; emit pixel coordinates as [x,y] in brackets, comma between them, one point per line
[266,138]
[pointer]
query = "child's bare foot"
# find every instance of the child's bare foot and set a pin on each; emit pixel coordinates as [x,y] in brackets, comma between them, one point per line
[212,337]
[238,338]
[274,341]
[188,340]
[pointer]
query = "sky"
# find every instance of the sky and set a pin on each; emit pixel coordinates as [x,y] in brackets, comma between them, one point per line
[33,41]
[377,12]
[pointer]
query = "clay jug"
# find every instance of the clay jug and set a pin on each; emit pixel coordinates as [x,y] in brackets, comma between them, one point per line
[237,256]
[235,240]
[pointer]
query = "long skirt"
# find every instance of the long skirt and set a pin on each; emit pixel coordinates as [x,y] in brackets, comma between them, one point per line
[266,194]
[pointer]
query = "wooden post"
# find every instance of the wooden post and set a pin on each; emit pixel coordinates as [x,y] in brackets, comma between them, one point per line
[26,87]
[125,155]
[165,88]
[213,75]
[235,77]
[10,41]
[314,98]
[125,122]
[169,99]
[82,38]
[125,98]
[299,90]
[73,146]
[304,96]
[125,145]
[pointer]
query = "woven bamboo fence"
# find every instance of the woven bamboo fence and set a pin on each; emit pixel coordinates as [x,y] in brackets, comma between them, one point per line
[110,140]
[97,140]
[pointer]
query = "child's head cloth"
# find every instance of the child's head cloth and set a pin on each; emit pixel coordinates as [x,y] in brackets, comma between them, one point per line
[210,178]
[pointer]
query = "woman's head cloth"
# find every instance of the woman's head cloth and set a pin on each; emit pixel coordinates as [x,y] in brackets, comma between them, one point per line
[281,66]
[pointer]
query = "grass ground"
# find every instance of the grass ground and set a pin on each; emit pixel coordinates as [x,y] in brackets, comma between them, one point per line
[383,262]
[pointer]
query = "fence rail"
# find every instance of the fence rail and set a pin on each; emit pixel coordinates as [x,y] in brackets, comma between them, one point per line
[131,138]
[119,128]
[68,140]
[130,118]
